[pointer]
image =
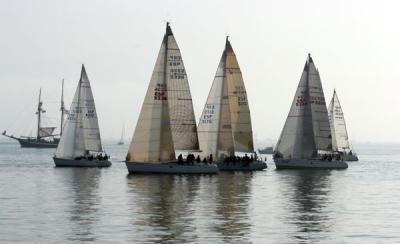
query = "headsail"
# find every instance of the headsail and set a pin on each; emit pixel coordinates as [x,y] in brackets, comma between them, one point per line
[340,140]
[181,113]
[238,103]
[81,130]
[225,124]
[307,128]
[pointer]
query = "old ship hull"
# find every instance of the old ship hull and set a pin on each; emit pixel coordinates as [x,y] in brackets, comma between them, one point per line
[29,143]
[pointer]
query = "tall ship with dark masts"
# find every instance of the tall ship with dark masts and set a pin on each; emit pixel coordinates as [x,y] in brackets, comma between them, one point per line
[45,137]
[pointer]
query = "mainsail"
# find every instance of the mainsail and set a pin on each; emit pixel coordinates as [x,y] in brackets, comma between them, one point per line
[340,140]
[81,130]
[307,129]
[166,122]
[225,124]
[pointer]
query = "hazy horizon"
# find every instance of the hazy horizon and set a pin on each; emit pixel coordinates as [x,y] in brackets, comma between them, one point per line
[354,45]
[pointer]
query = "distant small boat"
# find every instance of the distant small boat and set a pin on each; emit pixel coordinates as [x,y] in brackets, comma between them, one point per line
[225,124]
[266,150]
[340,138]
[44,137]
[166,122]
[121,141]
[305,141]
[80,144]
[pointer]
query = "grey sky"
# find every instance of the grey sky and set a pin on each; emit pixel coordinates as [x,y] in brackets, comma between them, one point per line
[355,45]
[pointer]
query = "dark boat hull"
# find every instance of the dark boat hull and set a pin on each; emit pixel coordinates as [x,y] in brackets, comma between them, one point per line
[241,166]
[29,143]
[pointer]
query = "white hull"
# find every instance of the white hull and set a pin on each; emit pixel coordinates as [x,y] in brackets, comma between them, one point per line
[62,162]
[352,157]
[309,164]
[241,166]
[171,168]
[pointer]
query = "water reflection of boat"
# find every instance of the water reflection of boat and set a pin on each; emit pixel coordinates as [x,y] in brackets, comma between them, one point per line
[84,202]
[232,206]
[308,203]
[164,203]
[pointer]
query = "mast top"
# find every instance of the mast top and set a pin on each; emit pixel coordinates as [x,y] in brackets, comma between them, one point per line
[168,30]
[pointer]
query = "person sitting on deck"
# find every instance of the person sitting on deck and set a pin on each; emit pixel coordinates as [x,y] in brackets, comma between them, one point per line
[198,159]
[205,160]
[180,159]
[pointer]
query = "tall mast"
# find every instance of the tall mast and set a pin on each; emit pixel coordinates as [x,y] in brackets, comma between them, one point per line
[167,33]
[62,108]
[38,112]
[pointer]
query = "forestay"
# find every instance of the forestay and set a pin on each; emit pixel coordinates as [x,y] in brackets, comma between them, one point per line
[307,128]
[81,130]
[340,140]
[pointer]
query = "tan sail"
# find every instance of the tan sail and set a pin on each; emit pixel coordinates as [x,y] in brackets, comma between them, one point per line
[182,119]
[152,139]
[238,103]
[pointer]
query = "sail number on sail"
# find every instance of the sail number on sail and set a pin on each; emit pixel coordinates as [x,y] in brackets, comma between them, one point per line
[175,60]
[304,100]
[159,92]
[240,92]
[208,114]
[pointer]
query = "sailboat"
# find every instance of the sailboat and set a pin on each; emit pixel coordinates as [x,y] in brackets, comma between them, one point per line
[225,124]
[121,141]
[305,141]
[80,144]
[45,137]
[340,139]
[166,122]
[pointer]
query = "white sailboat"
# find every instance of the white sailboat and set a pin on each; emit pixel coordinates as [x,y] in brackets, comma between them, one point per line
[305,141]
[80,143]
[166,122]
[225,124]
[121,141]
[340,138]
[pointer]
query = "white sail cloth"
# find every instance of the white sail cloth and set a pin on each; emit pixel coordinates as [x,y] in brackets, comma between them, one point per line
[307,129]
[340,139]
[81,130]
[166,122]
[225,124]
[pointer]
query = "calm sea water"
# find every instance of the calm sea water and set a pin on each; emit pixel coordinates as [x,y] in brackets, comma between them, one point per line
[40,203]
